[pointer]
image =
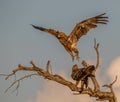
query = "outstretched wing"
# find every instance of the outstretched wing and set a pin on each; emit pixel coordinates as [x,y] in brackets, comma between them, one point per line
[83,27]
[50,31]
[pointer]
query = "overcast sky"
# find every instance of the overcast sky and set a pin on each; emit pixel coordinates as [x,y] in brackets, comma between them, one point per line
[20,43]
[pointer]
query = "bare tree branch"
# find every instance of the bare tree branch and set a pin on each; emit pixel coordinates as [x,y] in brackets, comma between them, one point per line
[59,79]
[18,81]
[48,67]
[96,46]
[96,92]
[114,99]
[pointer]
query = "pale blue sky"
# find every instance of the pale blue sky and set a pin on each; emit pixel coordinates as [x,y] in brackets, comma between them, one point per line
[20,43]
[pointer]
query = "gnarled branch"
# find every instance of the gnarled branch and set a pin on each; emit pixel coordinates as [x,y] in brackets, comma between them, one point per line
[57,78]
[96,92]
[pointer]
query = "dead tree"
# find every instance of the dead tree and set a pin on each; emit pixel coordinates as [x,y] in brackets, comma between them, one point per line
[47,74]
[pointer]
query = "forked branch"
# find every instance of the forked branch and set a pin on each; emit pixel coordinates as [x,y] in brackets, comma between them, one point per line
[47,74]
[96,46]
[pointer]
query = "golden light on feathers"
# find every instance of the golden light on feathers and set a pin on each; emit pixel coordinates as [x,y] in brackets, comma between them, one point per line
[69,42]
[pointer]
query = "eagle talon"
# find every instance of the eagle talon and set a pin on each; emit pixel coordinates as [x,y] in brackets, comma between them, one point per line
[77,57]
[73,58]
[81,89]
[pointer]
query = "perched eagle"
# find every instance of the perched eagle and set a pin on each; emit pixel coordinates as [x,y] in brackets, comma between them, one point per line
[82,74]
[69,42]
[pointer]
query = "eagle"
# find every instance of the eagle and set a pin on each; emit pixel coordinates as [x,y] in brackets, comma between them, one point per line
[82,74]
[70,41]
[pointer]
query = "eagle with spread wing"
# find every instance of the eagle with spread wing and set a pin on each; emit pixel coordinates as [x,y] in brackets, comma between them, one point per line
[69,42]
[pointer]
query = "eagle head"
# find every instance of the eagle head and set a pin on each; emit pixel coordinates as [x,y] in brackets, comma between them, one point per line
[75,67]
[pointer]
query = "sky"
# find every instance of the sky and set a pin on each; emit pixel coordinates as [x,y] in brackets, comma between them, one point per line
[20,43]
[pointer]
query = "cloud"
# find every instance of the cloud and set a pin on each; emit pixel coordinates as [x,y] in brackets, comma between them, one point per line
[54,92]
[114,70]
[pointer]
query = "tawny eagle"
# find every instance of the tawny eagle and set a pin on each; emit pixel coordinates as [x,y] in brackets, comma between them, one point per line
[82,74]
[70,41]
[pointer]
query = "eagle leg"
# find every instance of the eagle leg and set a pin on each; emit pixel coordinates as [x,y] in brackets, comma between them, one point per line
[82,86]
[76,53]
[70,52]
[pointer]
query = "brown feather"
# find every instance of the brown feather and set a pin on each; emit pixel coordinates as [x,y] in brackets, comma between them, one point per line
[83,27]
[50,31]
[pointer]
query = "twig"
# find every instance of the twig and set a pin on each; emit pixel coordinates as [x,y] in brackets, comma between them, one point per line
[31,62]
[48,67]
[19,81]
[100,95]
[96,46]
[114,99]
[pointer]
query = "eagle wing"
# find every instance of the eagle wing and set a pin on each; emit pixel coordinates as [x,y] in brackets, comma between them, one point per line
[50,31]
[83,27]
